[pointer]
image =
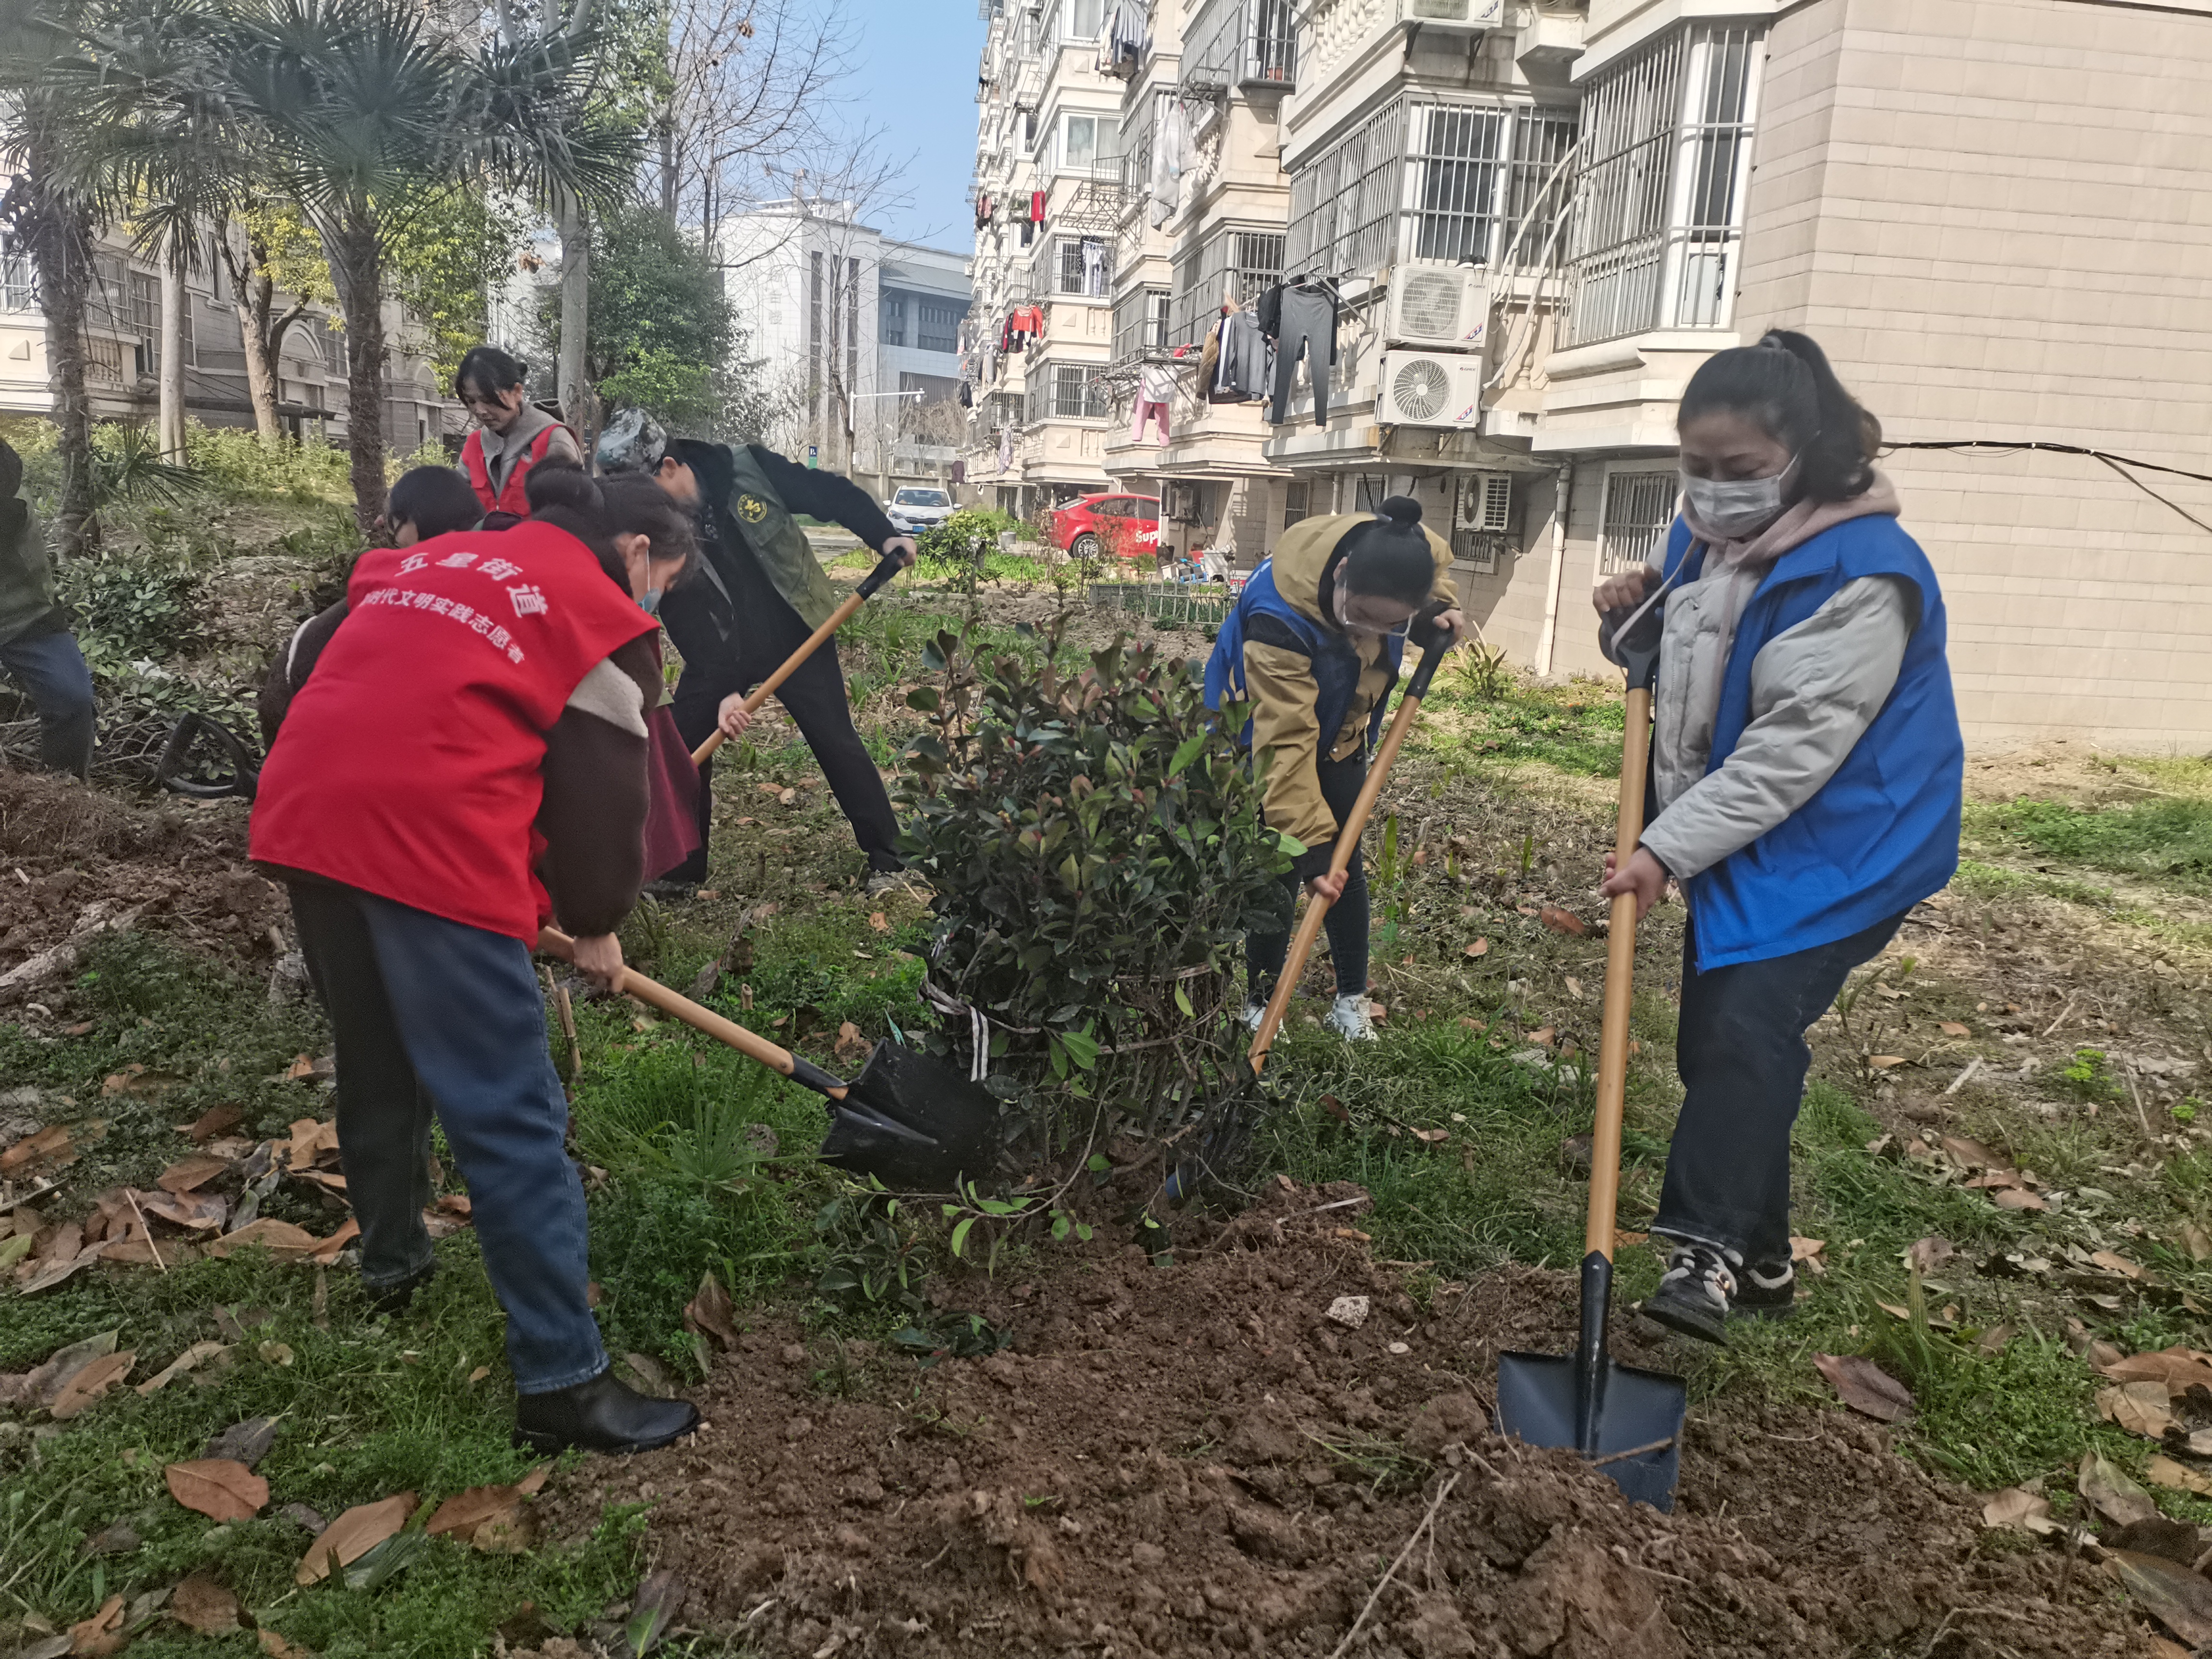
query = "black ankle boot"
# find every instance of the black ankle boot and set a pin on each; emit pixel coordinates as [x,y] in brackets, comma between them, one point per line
[600,1415]
[393,1299]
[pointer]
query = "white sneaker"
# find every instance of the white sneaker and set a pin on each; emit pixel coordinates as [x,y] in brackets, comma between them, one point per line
[1348,1018]
[1254,1013]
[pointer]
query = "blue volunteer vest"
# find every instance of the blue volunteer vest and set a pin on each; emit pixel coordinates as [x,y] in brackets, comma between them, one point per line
[1336,665]
[1882,833]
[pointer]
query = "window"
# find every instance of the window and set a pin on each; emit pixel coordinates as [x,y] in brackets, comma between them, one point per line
[921,498]
[18,289]
[1078,146]
[216,274]
[142,304]
[1659,210]
[334,351]
[1231,263]
[1462,180]
[1081,266]
[894,319]
[1140,323]
[1081,20]
[1072,397]
[1295,498]
[937,326]
[1639,509]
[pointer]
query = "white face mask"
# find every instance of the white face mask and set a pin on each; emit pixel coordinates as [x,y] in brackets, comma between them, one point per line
[1738,510]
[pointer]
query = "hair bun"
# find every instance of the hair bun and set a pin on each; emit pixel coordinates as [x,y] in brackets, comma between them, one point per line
[557,485]
[1402,510]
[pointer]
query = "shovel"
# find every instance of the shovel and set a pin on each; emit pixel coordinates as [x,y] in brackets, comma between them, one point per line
[905,1120]
[1347,848]
[241,780]
[1627,1420]
[874,582]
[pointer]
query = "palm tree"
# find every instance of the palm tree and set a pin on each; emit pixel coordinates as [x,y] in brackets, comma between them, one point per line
[54,216]
[361,116]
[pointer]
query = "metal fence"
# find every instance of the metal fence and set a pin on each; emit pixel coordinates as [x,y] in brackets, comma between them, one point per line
[1166,604]
[1230,263]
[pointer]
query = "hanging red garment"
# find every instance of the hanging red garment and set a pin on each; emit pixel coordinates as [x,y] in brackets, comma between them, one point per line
[1037,207]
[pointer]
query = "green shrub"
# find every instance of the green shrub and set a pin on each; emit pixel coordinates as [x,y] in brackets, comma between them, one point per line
[961,548]
[134,606]
[235,461]
[2086,1079]
[1096,851]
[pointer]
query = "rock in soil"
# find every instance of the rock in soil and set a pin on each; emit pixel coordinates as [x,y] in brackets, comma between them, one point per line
[1197,1460]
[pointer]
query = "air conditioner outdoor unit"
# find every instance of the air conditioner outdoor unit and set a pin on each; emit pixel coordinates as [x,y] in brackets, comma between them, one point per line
[1181,500]
[1436,304]
[1486,503]
[1430,388]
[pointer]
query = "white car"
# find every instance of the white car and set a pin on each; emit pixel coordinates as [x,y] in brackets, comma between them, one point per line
[914,509]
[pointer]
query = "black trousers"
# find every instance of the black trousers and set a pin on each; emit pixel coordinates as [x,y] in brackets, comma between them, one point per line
[1347,922]
[815,698]
[1741,1050]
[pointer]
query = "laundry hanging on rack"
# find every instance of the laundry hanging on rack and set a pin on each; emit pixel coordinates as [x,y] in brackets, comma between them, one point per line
[1094,267]
[1300,315]
[1006,448]
[1128,37]
[1155,389]
[1037,207]
[1170,155]
[1240,366]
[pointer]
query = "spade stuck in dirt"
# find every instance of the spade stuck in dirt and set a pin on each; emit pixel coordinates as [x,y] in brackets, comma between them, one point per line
[904,1120]
[1626,1420]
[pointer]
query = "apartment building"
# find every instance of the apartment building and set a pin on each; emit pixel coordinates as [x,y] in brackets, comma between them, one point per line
[857,334]
[1536,220]
[123,331]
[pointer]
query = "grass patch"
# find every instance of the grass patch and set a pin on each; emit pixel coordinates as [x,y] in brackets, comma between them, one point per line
[1576,727]
[2168,841]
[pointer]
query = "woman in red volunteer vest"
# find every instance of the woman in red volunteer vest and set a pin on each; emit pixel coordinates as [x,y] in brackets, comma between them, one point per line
[470,721]
[513,435]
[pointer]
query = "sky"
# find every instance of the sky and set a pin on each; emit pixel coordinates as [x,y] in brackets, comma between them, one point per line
[914,75]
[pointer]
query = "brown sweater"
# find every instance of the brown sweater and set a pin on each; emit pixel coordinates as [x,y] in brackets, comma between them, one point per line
[592,816]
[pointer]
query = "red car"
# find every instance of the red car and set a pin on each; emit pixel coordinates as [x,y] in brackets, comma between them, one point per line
[1126,526]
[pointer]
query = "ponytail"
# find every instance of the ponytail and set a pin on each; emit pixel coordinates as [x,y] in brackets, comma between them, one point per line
[1785,385]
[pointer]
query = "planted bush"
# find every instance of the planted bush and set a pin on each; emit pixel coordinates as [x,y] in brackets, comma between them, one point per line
[1097,852]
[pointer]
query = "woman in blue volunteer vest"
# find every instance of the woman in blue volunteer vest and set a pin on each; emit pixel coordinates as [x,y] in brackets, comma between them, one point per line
[1313,645]
[1806,767]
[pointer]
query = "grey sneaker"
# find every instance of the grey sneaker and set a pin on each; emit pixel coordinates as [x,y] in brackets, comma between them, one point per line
[1254,1013]
[881,882]
[1348,1018]
[1696,1293]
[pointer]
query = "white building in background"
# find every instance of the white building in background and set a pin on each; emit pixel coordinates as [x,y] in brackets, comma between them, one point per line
[858,335]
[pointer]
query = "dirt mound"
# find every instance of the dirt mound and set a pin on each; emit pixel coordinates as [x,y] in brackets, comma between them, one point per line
[75,861]
[1198,1461]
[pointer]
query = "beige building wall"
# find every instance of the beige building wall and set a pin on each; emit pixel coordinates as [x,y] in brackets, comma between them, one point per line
[1996,218]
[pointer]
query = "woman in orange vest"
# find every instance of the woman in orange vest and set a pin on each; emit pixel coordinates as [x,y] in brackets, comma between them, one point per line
[513,435]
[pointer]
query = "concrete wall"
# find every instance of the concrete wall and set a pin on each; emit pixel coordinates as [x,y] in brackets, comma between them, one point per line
[1996,219]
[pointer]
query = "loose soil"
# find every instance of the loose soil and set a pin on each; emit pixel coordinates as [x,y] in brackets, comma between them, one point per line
[1194,1460]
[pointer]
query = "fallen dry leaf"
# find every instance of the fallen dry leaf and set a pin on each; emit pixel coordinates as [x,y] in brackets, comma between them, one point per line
[353,1534]
[312,1142]
[220,1488]
[1952,1028]
[880,922]
[2195,1240]
[327,1251]
[56,1268]
[2111,1262]
[275,1647]
[1807,1251]
[479,1374]
[247,1441]
[196,1211]
[44,1148]
[299,1069]
[1931,1253]
[711,1312]
[2178,1598]
[1563,921]
[1434,1137]
[198,1354]
[1993,1340]
[205,1605]
[102,1633]
[2017,1198]
[1574,987]
[187,1173]
[89,1384]
[1480,948]
[1542,1036]
[280,1238]
[1865,1387]
[275,1353]
[1883,1062]
[2163,1471]
[852,1046]
[2019,1509]
[489,1516]
[1971,1153]
[2138,1408]
[2105,1488]
[211,1122]
[2177,1368]
[42,1384]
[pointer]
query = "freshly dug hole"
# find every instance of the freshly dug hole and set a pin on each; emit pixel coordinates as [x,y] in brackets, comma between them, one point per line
[1194,1461]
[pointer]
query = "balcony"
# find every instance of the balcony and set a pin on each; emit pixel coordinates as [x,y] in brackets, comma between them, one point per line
[1337,31]
[1246,44]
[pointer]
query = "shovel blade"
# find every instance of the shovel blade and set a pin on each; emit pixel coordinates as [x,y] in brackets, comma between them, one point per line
[1539,1401]
[912,1124]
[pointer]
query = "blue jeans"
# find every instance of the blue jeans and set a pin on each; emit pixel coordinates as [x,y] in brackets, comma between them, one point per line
[52,669]
[436,1015]
[1741,1050]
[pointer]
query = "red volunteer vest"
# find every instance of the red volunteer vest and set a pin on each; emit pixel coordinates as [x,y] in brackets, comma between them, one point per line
[510,498]
[409,765]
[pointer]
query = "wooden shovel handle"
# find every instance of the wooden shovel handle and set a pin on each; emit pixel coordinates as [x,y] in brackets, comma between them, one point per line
[554,942]
[871,584]
[1619,985]
[1347,848]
